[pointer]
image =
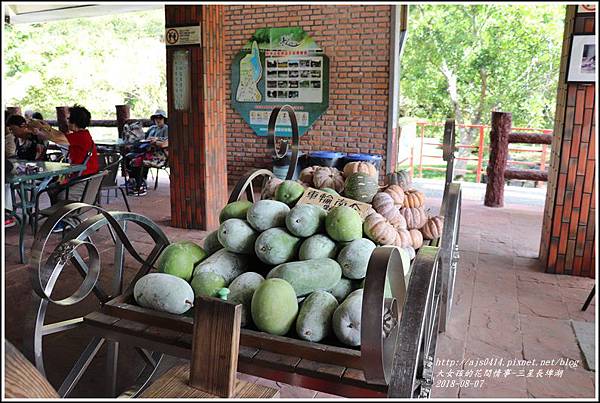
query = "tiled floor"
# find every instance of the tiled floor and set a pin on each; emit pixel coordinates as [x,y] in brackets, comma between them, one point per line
[505,307]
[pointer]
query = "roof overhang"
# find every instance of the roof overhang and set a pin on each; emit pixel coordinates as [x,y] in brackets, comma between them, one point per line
[34,12]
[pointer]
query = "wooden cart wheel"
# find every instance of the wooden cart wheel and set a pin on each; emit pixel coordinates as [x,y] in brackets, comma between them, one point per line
[245,186]
[451,210]
[412,370]
[78,252]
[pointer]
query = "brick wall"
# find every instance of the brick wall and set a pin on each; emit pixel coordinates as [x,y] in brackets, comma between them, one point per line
[568,237]
[357,41]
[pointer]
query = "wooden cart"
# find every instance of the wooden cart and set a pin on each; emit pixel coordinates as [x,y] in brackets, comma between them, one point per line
[399,334]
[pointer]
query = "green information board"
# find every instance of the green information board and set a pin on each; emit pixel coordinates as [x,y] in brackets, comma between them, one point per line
[280,66]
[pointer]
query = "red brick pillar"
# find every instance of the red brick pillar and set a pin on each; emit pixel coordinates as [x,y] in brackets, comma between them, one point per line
[501,128]
[61,118]
[568,244]
[197,151]
[122,117]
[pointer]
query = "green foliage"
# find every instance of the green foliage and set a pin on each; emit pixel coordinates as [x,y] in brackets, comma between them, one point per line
[98,62]
[510,53]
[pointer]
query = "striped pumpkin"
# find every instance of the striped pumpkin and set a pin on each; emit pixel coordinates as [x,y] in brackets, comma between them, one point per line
[416,238]
[433,227]
[379,230]
[413,198]
[397,195]
[415,217]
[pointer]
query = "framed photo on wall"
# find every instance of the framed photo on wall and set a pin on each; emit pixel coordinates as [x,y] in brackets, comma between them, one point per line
[582,60]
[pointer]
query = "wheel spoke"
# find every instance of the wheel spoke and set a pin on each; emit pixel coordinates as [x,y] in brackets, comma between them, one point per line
[80,366]
[154,254]
[146,356]
[112,359]
[82,268]
[250,192]
[61,326]
[117,280]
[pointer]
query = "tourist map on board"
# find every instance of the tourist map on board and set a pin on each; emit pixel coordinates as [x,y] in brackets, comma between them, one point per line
[280,66]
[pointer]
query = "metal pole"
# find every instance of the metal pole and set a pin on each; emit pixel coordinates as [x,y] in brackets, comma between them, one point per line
[421,151]
[480,155]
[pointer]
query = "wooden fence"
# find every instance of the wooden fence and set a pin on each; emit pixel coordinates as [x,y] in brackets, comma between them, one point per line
[121,118]
[501,136]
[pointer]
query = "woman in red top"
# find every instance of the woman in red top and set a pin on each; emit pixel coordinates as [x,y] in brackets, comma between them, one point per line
[80,143]
[80,139]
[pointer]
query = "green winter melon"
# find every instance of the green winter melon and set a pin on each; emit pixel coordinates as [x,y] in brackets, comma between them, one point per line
[242,289]
[305,220]
[362,187]
[237,209]
[354,258]
[237,236]
[211,243]
[343,224]
[317,246]
[342,289]
[289,192]
[179,259]
[309,275]
[207,284]
[346,319]
[314,319]
[276,246]
[164,292]
[227,264]
[330,191]
[265,214]
[274,306]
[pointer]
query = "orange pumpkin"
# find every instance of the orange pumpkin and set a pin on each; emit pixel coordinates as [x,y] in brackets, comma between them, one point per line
[379,230]
[433,227]
[415,217]
[397,195]
[416,238]
[403,239]
[413,198]
[364,167]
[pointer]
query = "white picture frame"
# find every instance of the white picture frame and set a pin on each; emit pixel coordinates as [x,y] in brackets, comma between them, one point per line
[582,59]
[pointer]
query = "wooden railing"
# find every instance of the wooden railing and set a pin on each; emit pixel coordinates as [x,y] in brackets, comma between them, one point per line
[501,136]
[122,118]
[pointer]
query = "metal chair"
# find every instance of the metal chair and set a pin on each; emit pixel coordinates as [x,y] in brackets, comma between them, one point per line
[89,196]
[111,163]
[164,166]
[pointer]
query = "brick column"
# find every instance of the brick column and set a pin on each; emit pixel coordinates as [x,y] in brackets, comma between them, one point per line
[197,151]
[568,232]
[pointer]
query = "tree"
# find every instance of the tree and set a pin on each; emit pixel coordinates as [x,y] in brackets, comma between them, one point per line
[464,61]
[98,62]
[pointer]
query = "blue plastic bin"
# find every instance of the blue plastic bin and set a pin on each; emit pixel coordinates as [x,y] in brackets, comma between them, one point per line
[325,158]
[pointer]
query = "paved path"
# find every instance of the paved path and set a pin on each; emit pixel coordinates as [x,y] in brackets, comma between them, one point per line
[505,307]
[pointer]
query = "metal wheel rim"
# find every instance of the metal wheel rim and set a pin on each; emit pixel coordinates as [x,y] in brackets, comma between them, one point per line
[44,280]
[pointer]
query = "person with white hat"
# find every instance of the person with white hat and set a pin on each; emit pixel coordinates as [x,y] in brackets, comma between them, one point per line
[158,136]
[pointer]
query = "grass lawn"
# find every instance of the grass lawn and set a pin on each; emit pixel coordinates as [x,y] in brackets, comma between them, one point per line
[441,175]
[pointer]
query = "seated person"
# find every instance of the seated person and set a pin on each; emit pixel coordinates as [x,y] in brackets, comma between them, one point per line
[146,154]
[80,142]
[30,144]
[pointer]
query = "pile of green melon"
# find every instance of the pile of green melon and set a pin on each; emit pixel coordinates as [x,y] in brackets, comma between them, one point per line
[296,269]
